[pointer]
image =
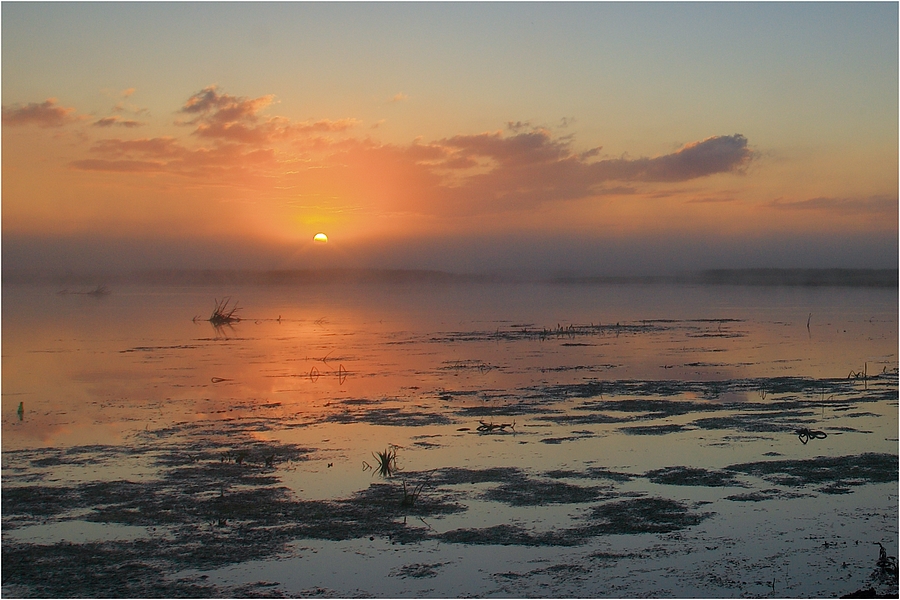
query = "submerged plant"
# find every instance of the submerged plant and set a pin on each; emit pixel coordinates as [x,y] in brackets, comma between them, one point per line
[222,314]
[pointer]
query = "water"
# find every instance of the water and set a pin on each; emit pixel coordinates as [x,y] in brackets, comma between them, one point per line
[109,384]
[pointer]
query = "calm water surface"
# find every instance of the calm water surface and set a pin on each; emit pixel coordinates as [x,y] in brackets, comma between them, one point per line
[348,370]
[88,370]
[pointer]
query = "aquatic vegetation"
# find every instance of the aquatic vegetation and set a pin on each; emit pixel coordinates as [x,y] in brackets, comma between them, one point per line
[223,314]
[492,427]
[692,476]
[774,422]
[386,462]
[533,492]
[708,390]
[810,434]
[644,515]
[845,471]
[885,567]
[766,494]
[652,429]
[395,416]
[416,571]
[411,494]
[512,535]
[109,569]
[461,476]
[100,290]
[209,487]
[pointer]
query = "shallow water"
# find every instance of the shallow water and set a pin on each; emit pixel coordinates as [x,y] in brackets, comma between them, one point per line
[607,394]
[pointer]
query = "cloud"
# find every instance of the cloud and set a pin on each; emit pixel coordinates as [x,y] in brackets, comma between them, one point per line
[119,166]
[323,126]
[224,107]
[43,114]
[533,167]
[715,200]
[400,97]
[110,121]
[160,147]
[518,168]
[519,150]
[718,154]
[871,205]
[224,116]
[168,155]
[722,154]
[221,116]
[517,125]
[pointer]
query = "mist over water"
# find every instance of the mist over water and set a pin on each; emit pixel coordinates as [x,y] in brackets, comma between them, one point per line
[529,256]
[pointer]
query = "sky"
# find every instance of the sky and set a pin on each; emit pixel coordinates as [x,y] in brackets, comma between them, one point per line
[558,138]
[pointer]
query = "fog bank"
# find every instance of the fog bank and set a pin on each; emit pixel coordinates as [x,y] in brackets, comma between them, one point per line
[521,256]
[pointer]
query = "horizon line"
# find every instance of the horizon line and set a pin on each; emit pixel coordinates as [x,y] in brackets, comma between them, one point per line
[758,276]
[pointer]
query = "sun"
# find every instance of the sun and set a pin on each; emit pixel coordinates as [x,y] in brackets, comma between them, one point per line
[320,238]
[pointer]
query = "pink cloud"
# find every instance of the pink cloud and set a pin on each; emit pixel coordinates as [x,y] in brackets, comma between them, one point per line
[119,166]
[110,121]
[168,155]
[531,168]
[160,147]
[520,168]
[43,114]
[872,205]
[222,116]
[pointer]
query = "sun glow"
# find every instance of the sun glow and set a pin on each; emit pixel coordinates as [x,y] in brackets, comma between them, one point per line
[320,238]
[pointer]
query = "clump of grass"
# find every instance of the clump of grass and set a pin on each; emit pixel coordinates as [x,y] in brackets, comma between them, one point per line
[410,495]
[100,290]
[223,314]
[386,462]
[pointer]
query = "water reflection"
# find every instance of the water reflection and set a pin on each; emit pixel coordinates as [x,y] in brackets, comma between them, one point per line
[92,371]
[622,427]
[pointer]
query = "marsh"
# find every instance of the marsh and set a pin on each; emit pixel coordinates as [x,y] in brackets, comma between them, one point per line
[451,439]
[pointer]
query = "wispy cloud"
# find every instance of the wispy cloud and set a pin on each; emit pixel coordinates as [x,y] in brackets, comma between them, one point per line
[871,205]
[714,200]
[168,155]
[718,154]
[44,114]
[117,121]
[119,166]
[400,97]
[517,126]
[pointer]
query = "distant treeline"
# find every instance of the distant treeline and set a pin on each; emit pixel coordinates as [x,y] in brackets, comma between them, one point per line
[772,277]
[881,278]
[804,277]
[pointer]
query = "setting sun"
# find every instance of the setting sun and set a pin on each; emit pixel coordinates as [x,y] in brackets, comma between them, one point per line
[599,274]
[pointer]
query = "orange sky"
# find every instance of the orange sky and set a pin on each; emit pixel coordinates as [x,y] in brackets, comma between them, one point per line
[427,185]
